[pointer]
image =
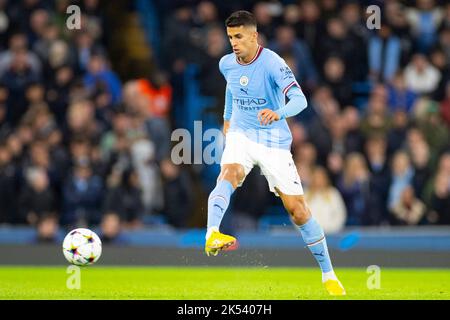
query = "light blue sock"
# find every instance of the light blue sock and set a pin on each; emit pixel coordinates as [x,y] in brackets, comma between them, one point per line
[218,202]
[313,236]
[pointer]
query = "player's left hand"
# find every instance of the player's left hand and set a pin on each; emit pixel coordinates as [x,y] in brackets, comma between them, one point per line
[267,116]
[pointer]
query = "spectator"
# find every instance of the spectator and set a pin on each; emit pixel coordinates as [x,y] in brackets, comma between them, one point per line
[338,132]
[336,78]
[5,25]
[111,231]
[39,19]
[82,195]
[8,182]
[299,134]
[210,78]
[205,18]
[337,42]
[377,158]
[59,55]
[421,76]
[446,20]
[400,97]
[305,158]
[18,43]
[327,109]
[264,18]
[17,78]
[445,107]
[159,94]
[395,15]
[409,210]
[5,128]
[377,119]
[143,160]
[206,14]
[440,200]
[50,34]
[326,202]
[384,51]
[352,15]
[24,136]
[80,150]
[443,168]
[99,79]
[397,133]
[115,143]
[291,15]
[37,198]
[124,200]
[81,121]
[420,158]
[424,20]
[93,12]
[178,35]
[444,41]
[59,155]
[158,129]
[41,120]
[47,229]
[352,121]
[335,165]
[439,61]
[39,157]
[85,49]
[402,175]
[311,27]
[285,43]
[354,185]
[433,128]
[35,94]
[329,8]
[178,194]
[59,91]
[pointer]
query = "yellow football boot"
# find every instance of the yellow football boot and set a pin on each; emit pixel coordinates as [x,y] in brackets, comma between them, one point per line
[334,288]
[218,241]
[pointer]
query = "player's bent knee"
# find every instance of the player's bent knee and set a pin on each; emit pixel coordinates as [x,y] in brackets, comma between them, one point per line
[234,174]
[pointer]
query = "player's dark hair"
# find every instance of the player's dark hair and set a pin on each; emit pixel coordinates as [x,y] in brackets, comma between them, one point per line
[241,18]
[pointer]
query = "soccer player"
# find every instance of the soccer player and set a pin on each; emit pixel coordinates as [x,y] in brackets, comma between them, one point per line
[257,133]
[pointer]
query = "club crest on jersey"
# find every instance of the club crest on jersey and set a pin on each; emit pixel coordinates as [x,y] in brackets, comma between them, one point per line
[243,81]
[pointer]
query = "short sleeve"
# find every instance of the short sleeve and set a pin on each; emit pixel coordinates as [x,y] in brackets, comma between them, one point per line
[282,75]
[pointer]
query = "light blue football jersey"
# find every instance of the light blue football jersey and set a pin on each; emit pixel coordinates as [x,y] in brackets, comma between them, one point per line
[262,83]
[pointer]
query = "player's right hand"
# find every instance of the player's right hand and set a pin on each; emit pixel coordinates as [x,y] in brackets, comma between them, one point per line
[267,116]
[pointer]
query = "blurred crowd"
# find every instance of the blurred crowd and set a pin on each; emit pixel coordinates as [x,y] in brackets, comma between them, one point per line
[82,146]
[78,146]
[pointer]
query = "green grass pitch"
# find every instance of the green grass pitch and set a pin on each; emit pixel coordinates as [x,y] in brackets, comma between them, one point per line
[186,283]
